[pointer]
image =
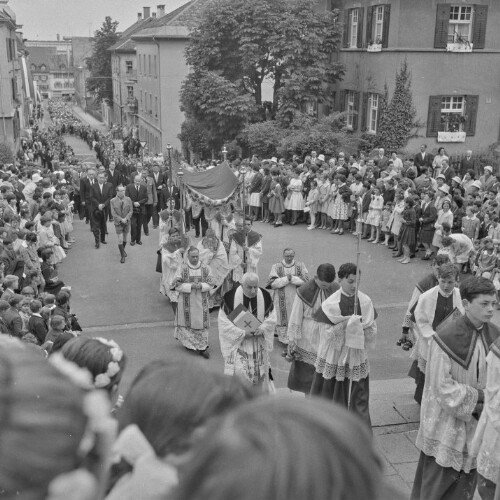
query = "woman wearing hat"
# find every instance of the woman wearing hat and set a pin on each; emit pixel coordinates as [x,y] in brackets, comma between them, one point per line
[445,216]
[48,239]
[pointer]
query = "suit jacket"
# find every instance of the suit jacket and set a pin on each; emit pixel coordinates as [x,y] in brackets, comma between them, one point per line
[160,181]
[37,326]
[167,193]
[429,216]
[140,196]
[101,198]
[421,162]
[466,164]
[115,178]
[119,212]
[381,162]
[85,190]
[449,173]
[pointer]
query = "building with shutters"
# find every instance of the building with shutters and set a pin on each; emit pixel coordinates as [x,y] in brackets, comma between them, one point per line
[453,52]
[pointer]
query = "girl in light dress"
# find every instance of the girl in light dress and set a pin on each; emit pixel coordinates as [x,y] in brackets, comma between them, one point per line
[384,223]
[341,205]
[445,216]
[276,202]
[375,214]
[296,200]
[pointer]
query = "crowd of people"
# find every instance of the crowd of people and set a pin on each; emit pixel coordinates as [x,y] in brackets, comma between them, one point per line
[183,431]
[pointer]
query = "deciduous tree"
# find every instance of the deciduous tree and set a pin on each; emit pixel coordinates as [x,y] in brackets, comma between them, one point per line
[99,63]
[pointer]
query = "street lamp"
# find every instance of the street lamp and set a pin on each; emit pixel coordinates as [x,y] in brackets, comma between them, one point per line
[243,171]
[180,175]
[224,152]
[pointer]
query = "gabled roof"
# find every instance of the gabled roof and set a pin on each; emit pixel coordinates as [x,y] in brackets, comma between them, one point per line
[175,24]
[124,43]
[49,57]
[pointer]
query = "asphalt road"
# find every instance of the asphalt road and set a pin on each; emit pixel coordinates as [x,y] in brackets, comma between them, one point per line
[123,302]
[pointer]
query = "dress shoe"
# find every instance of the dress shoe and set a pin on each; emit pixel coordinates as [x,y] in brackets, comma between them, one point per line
[139,242]
[205,354]
[146,233]
[396,255]
[122,260]
[104,242]
[132,243]
[155,227]
[97,245]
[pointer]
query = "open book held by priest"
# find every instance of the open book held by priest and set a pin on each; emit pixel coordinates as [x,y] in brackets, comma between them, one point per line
[244,319]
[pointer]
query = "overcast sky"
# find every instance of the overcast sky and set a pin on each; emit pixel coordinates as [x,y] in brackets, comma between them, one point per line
[43,19]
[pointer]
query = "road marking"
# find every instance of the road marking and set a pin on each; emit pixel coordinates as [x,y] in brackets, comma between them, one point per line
[393,305]
[127,326]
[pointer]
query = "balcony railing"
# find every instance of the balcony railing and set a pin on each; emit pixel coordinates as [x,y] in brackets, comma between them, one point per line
[131,74]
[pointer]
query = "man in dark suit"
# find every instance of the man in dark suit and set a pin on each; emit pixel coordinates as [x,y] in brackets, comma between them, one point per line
[169,192]
[468,163]
[138,193]
[159,181]
[381,160]
[423,159]
[85,193]
[447,171]
[101,193]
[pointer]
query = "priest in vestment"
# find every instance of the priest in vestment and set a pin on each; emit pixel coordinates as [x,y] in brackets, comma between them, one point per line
[342,352]
[453,398]
[486,443]
[193,282]
[246,354]
[432,308]
[172,254]
[245,249]
[284,279]
[304,331]
[213,254]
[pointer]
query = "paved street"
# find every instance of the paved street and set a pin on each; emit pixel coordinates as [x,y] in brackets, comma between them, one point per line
[122,301]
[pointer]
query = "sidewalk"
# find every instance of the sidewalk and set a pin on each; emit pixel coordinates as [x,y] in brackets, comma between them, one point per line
[85,117]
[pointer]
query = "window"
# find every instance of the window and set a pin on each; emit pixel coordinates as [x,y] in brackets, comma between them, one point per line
[311,108]
[372,113]
[464,24]
[44,78]
[377,25]
[33,67]
[43,67]
[149,64]
[452,113]
[130,91]
[154,66]
[141,100]
[350,109]
[353,30]
[129,66]
[460,25]
[156,106]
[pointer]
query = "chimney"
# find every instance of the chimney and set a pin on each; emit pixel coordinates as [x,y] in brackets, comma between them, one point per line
[147,12]
[58,37]
[153,15]
[139,16]
[160,10]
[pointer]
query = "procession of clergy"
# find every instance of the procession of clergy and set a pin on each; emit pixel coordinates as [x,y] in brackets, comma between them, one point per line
[327,325]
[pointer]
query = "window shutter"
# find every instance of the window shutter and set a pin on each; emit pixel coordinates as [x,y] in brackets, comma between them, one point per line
[442,22]
[347,26]
[385,27]
[355,120]
[359,43]
[369,25]
[364,112]
[479,27]
[434,116]
[472,102]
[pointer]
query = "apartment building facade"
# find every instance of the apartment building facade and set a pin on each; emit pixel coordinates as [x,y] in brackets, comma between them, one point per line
[452,49]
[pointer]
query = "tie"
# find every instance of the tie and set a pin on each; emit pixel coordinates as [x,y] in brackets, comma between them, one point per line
[121,206]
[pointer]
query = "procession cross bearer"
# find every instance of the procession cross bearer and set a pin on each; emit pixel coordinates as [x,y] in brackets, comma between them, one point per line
[246,345]
[193,281]
[284,279]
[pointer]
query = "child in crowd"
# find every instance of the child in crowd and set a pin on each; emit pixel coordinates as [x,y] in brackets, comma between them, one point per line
[407,234]
[375,214]
[447,249]
[384,229]
[470,223]
[487,259]
[312,203]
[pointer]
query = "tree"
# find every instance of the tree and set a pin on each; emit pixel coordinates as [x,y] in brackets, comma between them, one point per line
[6,155]
[99,63]
[397,120]
[284,43]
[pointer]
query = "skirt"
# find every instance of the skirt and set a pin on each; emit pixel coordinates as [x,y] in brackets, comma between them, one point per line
[407,236]
[296,201]
[254,200]
[276,205]
[426,236]
[373,218]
